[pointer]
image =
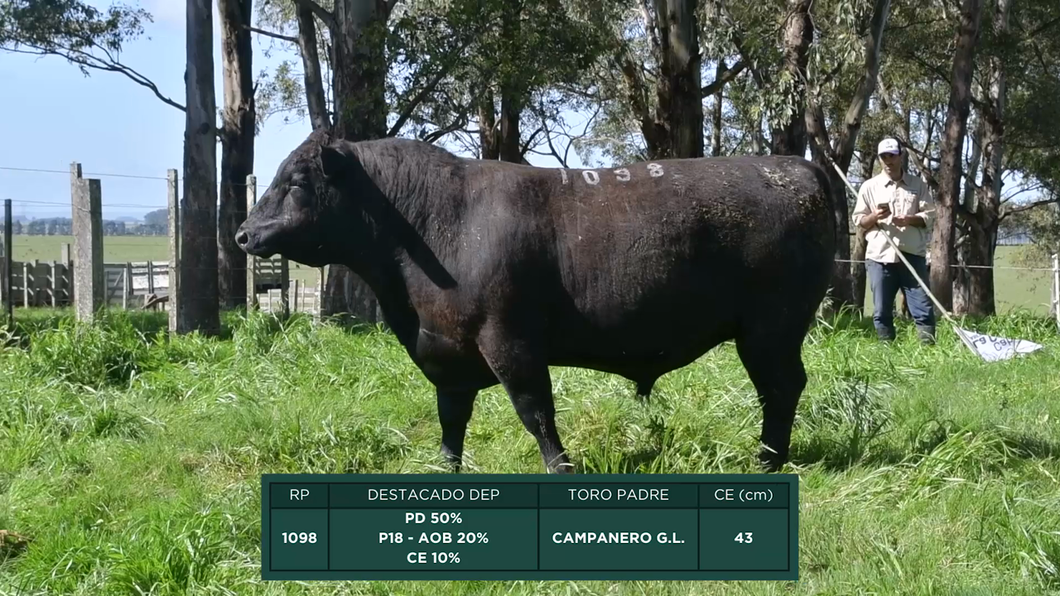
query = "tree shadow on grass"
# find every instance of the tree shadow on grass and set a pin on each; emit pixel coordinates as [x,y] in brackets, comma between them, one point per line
[1029,447]
[838,455]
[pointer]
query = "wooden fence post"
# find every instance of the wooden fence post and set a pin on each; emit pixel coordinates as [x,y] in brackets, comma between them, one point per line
[6,266]
[176,321]
[252,199]
[88,244]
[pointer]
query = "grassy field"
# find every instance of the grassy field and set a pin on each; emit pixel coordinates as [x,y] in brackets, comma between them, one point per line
[132,464]
[1016,290]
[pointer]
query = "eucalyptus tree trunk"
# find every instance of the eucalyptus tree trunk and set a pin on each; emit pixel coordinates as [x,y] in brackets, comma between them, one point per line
[789,135]
[857,268]
[976,285]
[199,309]
[943,250]
[489,142]
[313,80]
[679,89]
[841,153]
[358,81]
[237,147]
[675,127]
[513,89]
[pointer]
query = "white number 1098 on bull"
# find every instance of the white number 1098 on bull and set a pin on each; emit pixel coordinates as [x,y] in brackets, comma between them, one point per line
[299,537]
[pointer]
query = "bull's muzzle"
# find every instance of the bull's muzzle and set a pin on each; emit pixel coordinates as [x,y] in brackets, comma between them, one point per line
[250,241]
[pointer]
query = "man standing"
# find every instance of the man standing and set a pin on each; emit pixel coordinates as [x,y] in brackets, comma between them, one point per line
[898,204]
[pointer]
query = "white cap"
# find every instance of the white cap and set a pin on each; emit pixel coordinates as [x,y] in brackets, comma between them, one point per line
[888,146]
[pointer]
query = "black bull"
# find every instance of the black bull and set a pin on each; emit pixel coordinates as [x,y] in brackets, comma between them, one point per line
[490,272]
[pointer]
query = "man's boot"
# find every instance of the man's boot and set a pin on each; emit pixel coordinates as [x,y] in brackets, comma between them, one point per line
[926,335]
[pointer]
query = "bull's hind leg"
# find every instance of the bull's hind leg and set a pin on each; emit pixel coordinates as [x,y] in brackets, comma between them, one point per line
[522,369]
[454,412]
[644,387]
[774,365]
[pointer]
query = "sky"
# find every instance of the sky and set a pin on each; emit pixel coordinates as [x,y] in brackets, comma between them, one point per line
[51,115]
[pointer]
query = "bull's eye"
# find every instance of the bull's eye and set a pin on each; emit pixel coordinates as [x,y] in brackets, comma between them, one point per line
[300,197]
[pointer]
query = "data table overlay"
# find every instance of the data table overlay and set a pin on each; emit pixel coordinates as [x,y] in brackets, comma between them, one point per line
[529,527]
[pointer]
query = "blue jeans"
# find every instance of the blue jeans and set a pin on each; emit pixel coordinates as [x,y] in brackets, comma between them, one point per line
[886,280]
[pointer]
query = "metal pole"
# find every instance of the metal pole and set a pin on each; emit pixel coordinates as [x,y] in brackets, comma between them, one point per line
[1056,288]
[252,280]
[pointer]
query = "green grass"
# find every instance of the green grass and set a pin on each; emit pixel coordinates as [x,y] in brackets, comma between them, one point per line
[132,463]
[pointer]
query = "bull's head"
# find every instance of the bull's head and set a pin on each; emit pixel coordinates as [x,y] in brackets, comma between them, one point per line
[302,215]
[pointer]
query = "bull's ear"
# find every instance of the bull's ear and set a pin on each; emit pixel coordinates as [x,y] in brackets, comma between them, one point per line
[333,161]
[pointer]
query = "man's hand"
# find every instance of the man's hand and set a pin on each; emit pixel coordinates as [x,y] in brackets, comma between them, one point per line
[869,221]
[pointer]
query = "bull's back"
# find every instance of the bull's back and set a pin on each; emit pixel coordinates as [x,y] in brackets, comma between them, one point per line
[672,255]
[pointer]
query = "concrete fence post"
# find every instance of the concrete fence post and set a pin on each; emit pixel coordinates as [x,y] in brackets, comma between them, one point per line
[88,244]
[176,320]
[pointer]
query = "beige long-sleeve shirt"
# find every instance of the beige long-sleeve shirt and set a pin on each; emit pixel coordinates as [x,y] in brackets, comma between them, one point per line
[908,196]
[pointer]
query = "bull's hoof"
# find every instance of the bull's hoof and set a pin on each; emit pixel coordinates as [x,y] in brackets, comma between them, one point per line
[559,465]
[770,461]
[452,460]
[567,468]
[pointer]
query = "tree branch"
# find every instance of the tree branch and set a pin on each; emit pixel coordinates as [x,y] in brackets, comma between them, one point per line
[415,102]
[313,79]
[1041,28]
[756,74]
[320,12]
[433,136]
[280,36]
[726,75]
[87,60]
[530,140]
[1028,207]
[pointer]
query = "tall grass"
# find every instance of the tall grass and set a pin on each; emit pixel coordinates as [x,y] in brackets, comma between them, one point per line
[130,461]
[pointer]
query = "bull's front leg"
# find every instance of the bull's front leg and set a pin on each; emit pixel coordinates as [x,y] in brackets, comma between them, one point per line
[454,413]
[520,365]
